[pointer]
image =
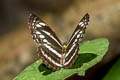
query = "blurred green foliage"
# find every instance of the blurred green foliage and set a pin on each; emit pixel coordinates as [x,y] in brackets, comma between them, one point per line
[114,72]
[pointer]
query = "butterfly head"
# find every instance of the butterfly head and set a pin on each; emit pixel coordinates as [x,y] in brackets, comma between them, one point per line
[64,47]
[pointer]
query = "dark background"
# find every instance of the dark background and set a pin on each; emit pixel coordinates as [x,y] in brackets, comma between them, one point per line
[18,50]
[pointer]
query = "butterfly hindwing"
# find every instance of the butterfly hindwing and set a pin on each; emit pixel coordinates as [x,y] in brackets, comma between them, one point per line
[48,57]
[71,55]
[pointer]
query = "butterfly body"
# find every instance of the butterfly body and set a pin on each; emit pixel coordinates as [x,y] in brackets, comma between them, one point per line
[52,52]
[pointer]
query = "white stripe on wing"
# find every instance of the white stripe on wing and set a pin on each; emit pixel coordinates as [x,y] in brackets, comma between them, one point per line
[52,50]
[70,50]
[49,58]
[51,36]
[73,37]
[42,24]
[71,57]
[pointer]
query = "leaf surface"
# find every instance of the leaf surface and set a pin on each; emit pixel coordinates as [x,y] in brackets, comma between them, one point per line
[90,53]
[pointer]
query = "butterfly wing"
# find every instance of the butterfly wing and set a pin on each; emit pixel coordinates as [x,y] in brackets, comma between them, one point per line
[50,46]
[48,54]
[71,55]
[41,32]
[72,46]
[78,34]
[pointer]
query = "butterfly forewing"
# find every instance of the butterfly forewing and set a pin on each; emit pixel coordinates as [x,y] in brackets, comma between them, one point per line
[78,34]
[42,33]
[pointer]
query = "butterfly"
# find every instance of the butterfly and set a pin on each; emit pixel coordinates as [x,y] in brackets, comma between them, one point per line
[53,53]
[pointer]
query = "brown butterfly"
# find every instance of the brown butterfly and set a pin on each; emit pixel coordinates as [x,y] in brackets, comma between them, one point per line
[53,53]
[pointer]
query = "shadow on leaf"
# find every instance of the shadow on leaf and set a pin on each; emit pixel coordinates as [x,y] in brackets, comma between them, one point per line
[82,58]
[44,68]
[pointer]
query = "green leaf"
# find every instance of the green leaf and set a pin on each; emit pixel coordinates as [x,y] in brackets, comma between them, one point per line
[114,72]
[91,52]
